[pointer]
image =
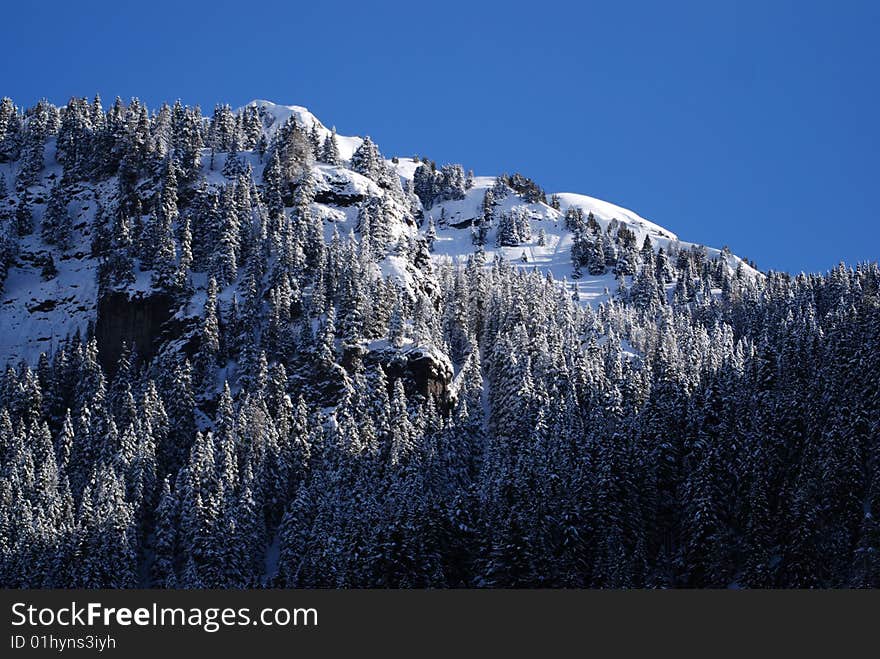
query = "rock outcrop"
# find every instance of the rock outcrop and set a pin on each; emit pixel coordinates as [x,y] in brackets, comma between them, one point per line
[425,370]
[137,321]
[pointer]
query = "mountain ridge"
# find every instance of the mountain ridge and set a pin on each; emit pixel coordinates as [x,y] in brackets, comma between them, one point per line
[29,332]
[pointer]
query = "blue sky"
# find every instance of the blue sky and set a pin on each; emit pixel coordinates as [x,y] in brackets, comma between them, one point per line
[751,124]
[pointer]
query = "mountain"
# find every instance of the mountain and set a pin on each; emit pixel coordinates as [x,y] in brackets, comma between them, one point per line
[38,313]
[243,350]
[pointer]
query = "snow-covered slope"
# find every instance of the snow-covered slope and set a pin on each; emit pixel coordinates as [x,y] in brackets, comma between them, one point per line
[275,115]
[454,240]
[605,211]
[454,243]
[35,313]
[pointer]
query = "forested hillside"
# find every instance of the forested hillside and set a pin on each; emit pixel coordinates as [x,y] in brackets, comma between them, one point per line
[242,350]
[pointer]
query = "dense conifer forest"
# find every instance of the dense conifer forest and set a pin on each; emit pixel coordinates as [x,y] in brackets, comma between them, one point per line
[244,351]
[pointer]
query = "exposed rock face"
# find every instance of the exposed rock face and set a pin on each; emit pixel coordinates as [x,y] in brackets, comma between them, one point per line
[136,321]
[336,198]
[425,371]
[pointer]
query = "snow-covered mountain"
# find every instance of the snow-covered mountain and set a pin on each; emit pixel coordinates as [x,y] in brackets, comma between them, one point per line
[36,312]
[453,233]
[244,350]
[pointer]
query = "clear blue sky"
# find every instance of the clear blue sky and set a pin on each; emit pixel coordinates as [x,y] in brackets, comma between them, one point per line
[752,124]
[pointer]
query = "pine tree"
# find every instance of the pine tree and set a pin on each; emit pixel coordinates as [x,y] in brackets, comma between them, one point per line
[225,265]
[182,282]
[367,161]
[431,234]
[119,263]
[164,545]
[330,149]
[37,128]
[24,219]
[209,337]
[294,149]
[56,224]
